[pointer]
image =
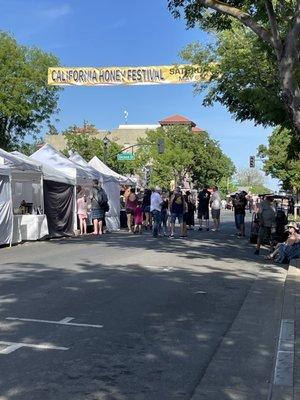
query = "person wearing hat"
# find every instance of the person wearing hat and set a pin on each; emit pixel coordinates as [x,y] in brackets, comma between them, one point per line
[289,249]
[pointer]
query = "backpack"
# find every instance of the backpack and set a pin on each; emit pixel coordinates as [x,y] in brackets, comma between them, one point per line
[102,199]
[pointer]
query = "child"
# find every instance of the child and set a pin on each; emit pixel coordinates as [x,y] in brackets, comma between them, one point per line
[138,218]
[82,213]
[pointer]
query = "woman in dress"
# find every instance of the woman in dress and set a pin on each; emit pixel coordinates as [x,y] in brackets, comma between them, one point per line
[82,212]
[130,204]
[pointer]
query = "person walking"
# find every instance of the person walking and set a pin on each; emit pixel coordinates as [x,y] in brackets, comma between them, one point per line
[239,203]
[190,216]
[82,212]
[99,204]
[215,204]
[138,218]
[155,208]
[267,223]
[165,212]
[177,208]
[146,209]
[130,205]
[203,207]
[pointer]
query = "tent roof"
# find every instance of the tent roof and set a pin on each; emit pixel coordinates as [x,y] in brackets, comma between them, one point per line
[15,162]
[55,159]
[104,169]
[75,157]
[4,170]
[49,173]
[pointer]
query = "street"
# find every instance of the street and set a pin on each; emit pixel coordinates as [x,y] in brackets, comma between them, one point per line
[129,317]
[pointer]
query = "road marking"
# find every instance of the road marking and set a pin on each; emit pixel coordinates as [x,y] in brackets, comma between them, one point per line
[284,367]
[200,292]
[64,321]
[13,346]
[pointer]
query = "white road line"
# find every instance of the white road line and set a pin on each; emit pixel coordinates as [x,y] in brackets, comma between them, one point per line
[200,292]
[64,321]
[13,346]
[284,368]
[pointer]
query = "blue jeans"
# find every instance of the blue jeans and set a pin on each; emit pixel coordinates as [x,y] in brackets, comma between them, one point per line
[157,222]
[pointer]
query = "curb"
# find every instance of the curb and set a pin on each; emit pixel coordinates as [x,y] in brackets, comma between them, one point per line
[286,384]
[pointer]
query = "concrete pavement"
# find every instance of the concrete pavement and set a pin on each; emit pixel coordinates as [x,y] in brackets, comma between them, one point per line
[181,319]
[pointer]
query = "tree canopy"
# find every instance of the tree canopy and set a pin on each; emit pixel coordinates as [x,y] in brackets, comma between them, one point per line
[282,158]
[187,155]
[87,144]
[252,178]
[275,24]
[26,100]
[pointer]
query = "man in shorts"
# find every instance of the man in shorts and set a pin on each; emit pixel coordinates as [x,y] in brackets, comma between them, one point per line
[203,207]
[215,204]
[177,209]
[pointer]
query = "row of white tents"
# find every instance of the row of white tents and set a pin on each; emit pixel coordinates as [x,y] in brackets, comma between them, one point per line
[48,182]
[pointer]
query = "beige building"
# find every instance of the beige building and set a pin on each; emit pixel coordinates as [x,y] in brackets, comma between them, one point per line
[126,135]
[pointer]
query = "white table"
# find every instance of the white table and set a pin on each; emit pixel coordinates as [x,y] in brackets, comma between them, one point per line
[29,227]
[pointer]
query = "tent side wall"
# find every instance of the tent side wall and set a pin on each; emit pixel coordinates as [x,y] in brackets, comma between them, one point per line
[6,215]
[112,218]
[59,208]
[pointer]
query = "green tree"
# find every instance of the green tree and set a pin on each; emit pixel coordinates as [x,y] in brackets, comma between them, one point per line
[252,178]
[88,146]
[275,23]
[282,158]
[26,100]
[186,155]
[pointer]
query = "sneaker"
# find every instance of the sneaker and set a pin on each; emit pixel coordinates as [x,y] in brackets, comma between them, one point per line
[171,236]
[213,230]
[207,229]
[199,229]
[256,252]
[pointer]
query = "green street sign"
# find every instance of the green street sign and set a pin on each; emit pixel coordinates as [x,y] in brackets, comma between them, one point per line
[125,157]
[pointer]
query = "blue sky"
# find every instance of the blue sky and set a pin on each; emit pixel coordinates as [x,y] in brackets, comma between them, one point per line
[124,33]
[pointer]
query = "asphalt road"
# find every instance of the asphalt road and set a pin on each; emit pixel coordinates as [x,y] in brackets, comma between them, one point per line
[164,306]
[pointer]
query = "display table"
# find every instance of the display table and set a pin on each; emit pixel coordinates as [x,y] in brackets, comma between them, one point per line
[29,227]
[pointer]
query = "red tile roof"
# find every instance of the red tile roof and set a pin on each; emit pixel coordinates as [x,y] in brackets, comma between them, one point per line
[177,120]
[196,129]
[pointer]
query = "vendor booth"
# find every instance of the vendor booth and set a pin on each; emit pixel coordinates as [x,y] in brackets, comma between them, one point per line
[58,190]
[29,220]
[60,196]
[112,188]
[6,215]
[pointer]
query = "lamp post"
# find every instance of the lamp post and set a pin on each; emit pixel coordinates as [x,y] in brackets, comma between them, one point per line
[105,146]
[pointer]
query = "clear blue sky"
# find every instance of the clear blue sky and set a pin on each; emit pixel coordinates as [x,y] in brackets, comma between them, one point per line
[124,33]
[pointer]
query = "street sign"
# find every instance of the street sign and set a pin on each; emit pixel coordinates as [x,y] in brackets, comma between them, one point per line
[125,157]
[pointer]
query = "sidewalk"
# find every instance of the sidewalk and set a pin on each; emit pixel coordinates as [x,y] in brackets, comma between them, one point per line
[251,362]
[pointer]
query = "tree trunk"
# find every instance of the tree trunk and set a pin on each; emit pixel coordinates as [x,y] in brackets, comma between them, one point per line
[290,90]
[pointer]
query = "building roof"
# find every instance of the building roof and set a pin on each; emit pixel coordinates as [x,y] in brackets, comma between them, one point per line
[177,120]
[196,129]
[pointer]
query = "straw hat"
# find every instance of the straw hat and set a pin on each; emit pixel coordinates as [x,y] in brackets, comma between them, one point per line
[292,225]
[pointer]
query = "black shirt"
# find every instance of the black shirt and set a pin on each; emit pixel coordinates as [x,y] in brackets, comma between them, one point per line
[203,199]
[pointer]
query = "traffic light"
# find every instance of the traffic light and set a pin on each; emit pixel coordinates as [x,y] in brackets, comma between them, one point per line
[252,162]
[160,146]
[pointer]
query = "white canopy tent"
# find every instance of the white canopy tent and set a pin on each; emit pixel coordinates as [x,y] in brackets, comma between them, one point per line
[112,188]
[80,175]
[6,212]
[103,168]
[56,160]
[26,185]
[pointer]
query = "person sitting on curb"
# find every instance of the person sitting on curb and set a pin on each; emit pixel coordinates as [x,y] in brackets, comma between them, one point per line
[286,251]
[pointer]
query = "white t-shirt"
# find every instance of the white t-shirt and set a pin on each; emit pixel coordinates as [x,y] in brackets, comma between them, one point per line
[156,201]
[215,201]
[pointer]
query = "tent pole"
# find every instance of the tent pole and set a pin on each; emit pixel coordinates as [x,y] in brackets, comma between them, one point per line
[11,211]
[42,195]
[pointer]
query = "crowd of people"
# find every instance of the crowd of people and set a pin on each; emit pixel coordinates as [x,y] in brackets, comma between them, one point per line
[159,210]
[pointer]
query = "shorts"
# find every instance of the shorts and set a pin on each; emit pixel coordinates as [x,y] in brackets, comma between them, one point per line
[146,209]
[203,214]
[178,216]
[129,211]
[265,234]
[97,213]
[185,217]
[215,214]
[239,220]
